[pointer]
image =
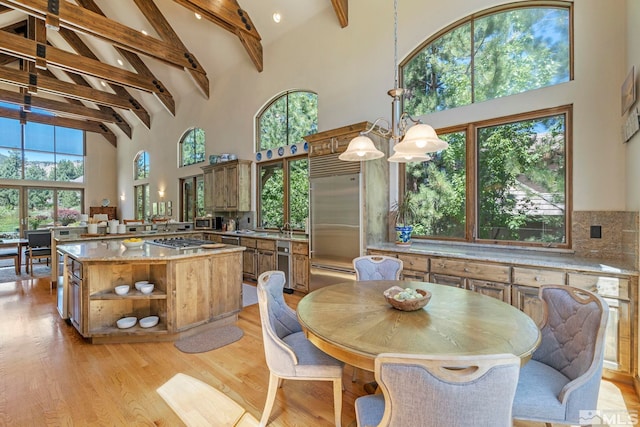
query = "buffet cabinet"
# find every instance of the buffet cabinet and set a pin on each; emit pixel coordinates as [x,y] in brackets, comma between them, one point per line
[519,286]
[110,211]
[227,186]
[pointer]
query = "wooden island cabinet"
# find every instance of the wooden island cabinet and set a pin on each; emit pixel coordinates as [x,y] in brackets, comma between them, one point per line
[516,280]
[193,288]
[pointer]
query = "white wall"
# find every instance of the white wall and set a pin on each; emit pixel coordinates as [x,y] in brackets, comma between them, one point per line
[351,69]
[100,173]
[633,146]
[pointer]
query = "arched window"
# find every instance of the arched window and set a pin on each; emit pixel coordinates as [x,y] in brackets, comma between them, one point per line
[287,119]
[192,147]
[141,166]
[283,184]
[495,53]
[503,179]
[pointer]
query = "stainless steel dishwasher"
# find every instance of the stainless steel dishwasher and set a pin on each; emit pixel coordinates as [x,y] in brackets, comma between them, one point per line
[283,249]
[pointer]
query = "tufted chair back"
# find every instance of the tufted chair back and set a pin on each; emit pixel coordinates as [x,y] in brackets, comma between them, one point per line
[377,267]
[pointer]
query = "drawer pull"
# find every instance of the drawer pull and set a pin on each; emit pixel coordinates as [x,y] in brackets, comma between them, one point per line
[466,269]
[538,279]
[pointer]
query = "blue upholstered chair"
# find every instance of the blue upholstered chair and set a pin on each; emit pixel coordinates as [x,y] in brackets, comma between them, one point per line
[436,391]
[289,354]
[564,373]
[377,267]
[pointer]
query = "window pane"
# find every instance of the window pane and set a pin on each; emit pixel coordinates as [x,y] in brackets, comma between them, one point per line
[141,166]
[69,141]
[69,169]
[303,116]
[200,196]
[439,77]
[273,125]
[40,208]
[10,164]
[11,132]
[271,195]
[440,189]
[69,207]
[38,137]
[298,193]
[192,147]
[9,212]
[187,200]
[39,166]
[521,181]
[141,195]
[520,50]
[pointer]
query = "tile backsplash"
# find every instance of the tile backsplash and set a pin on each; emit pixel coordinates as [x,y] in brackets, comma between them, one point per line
[619,238]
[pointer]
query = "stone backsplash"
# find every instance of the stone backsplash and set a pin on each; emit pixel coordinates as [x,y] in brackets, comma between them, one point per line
[619,235]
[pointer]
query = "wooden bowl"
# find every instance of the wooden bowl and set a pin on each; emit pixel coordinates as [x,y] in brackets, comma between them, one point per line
[408,304]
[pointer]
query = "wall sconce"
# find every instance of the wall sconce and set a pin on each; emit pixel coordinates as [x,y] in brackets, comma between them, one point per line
[161,193]
[122,196]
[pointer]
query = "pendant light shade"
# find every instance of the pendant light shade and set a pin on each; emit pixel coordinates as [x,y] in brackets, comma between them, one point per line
[424,138]
[361,148]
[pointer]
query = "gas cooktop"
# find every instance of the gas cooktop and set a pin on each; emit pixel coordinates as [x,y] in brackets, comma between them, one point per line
[179,242]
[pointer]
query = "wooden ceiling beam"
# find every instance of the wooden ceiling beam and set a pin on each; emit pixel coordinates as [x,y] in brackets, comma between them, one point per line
[119,120]
[79,46]
[166,33]
[163,94]
[82,20]
[57,87]
[229,15]
[60,121]
[33,51]
[7,59]
[341,7]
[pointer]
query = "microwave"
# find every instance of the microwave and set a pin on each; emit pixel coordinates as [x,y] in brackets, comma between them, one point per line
[208,223]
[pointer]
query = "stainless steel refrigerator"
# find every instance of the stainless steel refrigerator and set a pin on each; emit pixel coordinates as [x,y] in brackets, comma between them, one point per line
[336,220]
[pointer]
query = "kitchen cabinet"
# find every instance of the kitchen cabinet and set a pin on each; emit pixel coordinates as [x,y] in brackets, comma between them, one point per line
[300,266]
[110,211]
[227,186]
[249,258]
[414,267]
[73,274]
[266,250]
[501,291]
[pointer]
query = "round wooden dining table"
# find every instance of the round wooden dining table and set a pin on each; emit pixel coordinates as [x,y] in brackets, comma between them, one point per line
[353,322]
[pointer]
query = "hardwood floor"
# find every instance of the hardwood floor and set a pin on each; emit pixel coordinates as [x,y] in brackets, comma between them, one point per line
[50,376]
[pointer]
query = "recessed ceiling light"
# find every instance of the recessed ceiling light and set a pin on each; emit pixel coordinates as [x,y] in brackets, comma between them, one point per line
[145,33]
[198,16]
[120,62]
[276,17]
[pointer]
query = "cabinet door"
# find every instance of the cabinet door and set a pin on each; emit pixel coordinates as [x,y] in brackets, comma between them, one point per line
[249,263]
[501,291]
[442,279]
[300,272]
[75,302]
[231,186]
[209,186]
[266,261]
[525,298]
[414,276]
[219,189]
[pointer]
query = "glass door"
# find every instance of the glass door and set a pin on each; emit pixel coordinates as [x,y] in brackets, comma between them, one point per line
[40,204]
[10,212]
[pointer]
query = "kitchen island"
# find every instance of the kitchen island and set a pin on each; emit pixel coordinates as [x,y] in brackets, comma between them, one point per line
[194,288]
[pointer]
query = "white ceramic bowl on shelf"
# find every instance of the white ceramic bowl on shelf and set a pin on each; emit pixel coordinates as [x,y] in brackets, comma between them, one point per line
[149,322]
[140,283]
[147,288]
[122,289]
[127,322]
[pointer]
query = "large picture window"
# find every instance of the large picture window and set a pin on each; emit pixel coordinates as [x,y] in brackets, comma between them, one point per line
[516,181]
[496,53]
[287,119]
[192,147]
[141,166]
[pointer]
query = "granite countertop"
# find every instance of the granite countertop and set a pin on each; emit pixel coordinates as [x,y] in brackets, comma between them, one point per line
[513,256]
[264,235]
[114,250]
[142,235]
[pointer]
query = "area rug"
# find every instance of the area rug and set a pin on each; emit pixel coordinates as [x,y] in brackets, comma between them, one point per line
[198,404]
[249,295]
[210,339]
[8,273]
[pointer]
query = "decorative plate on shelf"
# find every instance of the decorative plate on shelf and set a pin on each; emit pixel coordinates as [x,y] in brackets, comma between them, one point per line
[281,151]
[105,202]
[293,149]
[269,154]
[306,146]
[258,156]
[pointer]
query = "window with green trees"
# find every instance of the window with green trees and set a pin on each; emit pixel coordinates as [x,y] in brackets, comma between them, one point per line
[283,184]
[518,167]
[192,147]
[141,166]
[499,52]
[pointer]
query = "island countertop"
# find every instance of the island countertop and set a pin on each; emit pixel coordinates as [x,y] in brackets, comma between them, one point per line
[114,250]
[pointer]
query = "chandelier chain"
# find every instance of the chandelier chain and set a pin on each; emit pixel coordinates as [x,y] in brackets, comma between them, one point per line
[395,42]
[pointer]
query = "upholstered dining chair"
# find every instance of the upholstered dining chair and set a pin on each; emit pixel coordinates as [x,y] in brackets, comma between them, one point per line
[563,376]
[435,391]
[38,247]
[377,267]
[289,354]
[13,254]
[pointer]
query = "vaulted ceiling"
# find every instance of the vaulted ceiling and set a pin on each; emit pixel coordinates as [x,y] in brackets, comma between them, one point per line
[88,64]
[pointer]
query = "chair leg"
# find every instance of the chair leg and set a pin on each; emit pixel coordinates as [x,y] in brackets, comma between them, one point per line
[15,264]
[353,376]
[337,401]
[271,398]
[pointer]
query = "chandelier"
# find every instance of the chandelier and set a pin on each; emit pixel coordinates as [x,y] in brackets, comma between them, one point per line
[412,140]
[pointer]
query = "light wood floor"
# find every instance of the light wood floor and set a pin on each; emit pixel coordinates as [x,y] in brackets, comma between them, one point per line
[50,377]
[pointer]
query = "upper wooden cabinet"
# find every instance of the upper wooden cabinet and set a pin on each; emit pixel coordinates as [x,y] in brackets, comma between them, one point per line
[227,186]
[110,211]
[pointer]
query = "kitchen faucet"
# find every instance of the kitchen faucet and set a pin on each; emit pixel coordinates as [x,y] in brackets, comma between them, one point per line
[286,227]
